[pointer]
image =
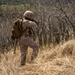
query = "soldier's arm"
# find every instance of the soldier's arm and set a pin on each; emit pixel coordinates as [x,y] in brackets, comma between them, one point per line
[31,24]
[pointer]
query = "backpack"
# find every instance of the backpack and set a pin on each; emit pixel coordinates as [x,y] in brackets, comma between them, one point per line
[17,29]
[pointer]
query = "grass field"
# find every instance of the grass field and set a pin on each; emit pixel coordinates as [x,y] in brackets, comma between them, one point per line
[56,61]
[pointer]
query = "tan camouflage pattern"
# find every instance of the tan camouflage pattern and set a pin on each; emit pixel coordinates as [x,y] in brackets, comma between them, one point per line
[26,41]
[29,14]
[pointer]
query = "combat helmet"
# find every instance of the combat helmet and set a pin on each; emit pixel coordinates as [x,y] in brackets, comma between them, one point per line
[29,14]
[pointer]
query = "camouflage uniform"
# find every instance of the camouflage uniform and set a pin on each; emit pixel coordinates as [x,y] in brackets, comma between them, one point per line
[26,40]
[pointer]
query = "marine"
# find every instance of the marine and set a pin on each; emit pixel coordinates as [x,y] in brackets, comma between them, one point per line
[26,40]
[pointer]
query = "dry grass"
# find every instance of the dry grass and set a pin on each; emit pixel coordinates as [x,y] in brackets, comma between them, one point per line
[56,61]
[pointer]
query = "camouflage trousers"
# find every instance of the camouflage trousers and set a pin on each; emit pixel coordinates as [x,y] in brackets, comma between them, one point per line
[26,42]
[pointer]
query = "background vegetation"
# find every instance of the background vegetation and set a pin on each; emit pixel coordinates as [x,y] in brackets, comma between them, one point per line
[56,29]
[56,20]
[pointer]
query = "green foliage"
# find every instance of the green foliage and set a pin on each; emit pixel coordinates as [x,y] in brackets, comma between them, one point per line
[13,1]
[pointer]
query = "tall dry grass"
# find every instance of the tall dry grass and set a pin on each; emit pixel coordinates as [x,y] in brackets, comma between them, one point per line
[56,61]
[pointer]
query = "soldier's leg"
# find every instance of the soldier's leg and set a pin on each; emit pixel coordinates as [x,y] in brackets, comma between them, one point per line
[35,47]
[35,52]
[23,49]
